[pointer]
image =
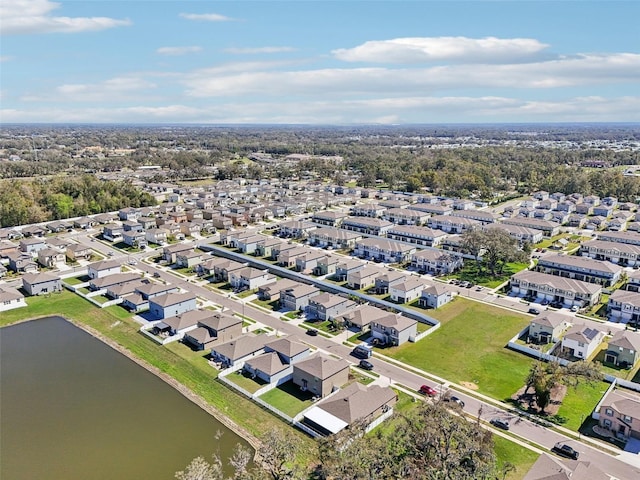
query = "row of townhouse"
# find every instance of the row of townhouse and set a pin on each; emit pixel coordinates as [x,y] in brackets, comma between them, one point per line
[625,254]
[383,250]
[554,288]
[418,235]
[580,268]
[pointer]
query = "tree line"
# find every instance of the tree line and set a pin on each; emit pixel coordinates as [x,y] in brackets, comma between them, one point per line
[32,201]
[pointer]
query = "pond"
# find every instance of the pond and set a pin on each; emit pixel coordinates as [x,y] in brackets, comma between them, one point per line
[74,408]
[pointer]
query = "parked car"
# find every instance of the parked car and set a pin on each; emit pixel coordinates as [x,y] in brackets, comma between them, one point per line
[312,331]
[478,288]
[362,351]
[456,400]
[428,391]
[534,311]
[565,450]
[497,422]
[365,365]
[544,302]
[575,308]
[156,274]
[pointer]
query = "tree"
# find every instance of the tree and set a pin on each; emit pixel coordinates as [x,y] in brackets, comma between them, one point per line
[492,247]
[200,469]
[278,455]
[544,377]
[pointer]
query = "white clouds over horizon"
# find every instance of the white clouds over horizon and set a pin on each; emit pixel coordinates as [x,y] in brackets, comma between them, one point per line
[429,49]
[206,17]
[176,51]
[34,16]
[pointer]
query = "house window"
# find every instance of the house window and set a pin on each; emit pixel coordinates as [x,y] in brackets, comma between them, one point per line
[627,418]
[609,412]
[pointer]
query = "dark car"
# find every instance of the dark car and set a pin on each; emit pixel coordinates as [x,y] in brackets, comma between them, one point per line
[565,450]
[312,331]
[503,424]
[365,365]
[545,302]
[535,311]
[456,400]
[428,391]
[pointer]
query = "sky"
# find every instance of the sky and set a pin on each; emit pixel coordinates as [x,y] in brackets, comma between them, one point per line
[330,62]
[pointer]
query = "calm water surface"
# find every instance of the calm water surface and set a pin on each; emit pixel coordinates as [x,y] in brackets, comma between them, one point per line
[73,408]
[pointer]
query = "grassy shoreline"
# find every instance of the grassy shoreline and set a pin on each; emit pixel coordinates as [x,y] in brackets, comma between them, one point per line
[180,368]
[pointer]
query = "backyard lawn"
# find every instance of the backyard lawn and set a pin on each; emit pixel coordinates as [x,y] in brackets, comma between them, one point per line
[288,398]
[580,402]
[470,347]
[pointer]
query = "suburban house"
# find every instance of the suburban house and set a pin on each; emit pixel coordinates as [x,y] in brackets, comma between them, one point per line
[188,259]
[22,262]
[548,467]
[309,262]
[550,229]
[296,228]
[276,364]
[11,298]
[435,296]
[238,350]
[297,298]
[619,413]
[182,323]
[418,235]
[171,304]
[7,247]
[103,268]
[271,291]
[580,268]
[451,224]
[548,327]
[630,238]
[112,232]
[408,290]
[404,216]
[108,281]
[623,349]
[436,262]
[351,404]
[372,210]
[288,258]
[393,329]
[367,225]
[383,250]
[32,245]
[121,290]
[151,290]
[248,245]
[156,235]
[327,306]
[625,254]
[624,306]
[327,265]
[320,374]
[384,281]
[77,252]
[334,238]
[216,327]
[170,252]
[521,234]
[363,278]
[50,258]
[581,341]
[360,317]
[328,218]
[221,268]
[432,208]
[264,247]
[633,281]
[39,283]
[249,278]
[482,216]
[567,291]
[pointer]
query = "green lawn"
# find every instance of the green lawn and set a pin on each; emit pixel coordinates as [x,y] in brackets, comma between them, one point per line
[288,398]
[522,458]
[244,380]
[246,293]
[76,280]
[580,402]
[273,305]
[469,273]
[470,347]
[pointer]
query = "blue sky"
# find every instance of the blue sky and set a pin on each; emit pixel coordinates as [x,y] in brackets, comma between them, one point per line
[319,62]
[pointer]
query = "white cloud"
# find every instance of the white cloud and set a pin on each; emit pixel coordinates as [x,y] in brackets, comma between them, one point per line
[250,51]
[117,88]
[206,17]
[382,110]
[429,49]
[263,78]
[178,50]
[34,16]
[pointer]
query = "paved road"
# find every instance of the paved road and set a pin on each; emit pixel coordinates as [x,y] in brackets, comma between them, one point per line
[406,376]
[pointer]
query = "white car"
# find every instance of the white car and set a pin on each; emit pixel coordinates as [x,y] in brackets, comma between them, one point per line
[575,308]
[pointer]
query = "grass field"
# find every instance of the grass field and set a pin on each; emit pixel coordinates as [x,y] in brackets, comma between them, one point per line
[522,458]
[470,273]
[580,402]
[470,347]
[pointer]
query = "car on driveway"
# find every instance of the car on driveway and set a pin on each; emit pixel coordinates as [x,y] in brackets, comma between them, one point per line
[497,422]
[365,365]
[534,311]
[575,308]
[428,391]
[565,450]
[545,302]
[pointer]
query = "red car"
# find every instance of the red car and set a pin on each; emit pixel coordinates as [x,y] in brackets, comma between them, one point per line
[427,390]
